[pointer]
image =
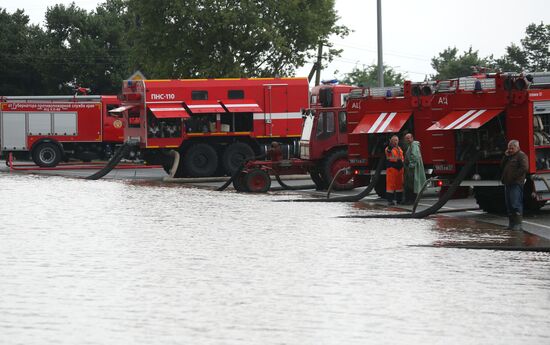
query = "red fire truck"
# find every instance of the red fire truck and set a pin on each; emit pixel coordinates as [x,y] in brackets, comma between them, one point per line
[213,124]
[481,115]
[323,146]
[375,114]
[454,119]
[55,128]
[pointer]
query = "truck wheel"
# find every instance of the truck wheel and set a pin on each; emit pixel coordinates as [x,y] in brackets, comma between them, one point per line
[234,155]
[46,155]
[530,203]
[490,199]
[335,161]
[238,183]
[257,181]
[200,160]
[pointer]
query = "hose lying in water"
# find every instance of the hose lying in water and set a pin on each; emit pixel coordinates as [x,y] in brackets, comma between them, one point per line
[234,176]
[238,172]
[329,190]
[489,247]
[284,186]
[349,198]
[435,207]
[112,163]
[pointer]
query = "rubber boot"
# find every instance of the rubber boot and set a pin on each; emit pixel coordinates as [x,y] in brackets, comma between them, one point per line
[399,197]
[510,222]
[389,197]
[518,219]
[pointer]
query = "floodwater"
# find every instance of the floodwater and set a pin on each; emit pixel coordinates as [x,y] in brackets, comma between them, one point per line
[113,262]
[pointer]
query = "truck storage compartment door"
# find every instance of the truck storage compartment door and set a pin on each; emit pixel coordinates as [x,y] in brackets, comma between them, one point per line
[14,131]
[241,105]
[168,111]
[203,106]
[465,119]
[382,122]
[276,114]
[64,124]
[40,123]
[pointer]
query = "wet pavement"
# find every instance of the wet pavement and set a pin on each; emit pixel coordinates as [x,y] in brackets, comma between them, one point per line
[133,259]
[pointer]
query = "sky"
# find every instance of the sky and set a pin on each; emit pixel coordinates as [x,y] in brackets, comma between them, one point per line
[413,31]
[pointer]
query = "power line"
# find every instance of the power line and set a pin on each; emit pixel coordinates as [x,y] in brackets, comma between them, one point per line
[407,56]
[357,62]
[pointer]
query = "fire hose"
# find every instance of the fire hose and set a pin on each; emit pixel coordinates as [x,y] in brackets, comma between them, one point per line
[435,207]
[349,198]
[338,173]
[112,163]
[238,172]
[284,186]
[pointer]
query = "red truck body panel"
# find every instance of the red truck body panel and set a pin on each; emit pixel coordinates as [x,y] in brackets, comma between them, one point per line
[61,119]
[271,105]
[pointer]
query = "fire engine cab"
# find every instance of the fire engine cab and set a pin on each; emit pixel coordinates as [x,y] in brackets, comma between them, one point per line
[55,128]
[323,146]
[212,124]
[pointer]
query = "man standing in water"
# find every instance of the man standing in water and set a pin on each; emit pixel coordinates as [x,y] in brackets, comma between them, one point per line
[394,171]
[514,167]
[415,175]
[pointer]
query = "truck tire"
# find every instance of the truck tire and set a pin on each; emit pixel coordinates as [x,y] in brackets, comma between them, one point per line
[200,160]
[46,155]
[530,203]
[234,155]
[490,199]
[257,181]
[238,183]
[332,163]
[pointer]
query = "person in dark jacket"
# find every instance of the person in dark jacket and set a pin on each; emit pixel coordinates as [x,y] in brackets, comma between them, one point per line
[514,167]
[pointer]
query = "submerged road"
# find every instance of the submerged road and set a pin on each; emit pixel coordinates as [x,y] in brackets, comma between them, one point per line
[537,224]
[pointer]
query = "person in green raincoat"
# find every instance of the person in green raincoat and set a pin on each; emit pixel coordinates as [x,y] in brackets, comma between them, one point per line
[415,175]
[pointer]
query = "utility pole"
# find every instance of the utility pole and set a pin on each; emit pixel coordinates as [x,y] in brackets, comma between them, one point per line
[380,62]
[319,64]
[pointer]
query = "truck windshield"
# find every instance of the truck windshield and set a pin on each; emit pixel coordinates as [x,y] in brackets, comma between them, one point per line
[308,126]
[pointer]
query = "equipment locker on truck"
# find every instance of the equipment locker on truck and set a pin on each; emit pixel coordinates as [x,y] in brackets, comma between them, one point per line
[50,129]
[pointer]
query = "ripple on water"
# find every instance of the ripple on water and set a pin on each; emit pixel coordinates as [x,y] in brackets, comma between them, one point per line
[112,262]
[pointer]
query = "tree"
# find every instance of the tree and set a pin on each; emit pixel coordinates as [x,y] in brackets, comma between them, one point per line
[534,53]
[368,76]
[448,64]
[87,49]
[19,44]
[226,38]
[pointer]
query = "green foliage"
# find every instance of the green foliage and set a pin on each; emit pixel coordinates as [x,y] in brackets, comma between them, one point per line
[534,53]
[75,47]
[368,76]
[19,42]
[87,49]
[162,38]
[226,38]
[448,64]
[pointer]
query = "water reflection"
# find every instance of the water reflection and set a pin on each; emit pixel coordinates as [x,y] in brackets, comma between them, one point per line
[102,262]
[466,233]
